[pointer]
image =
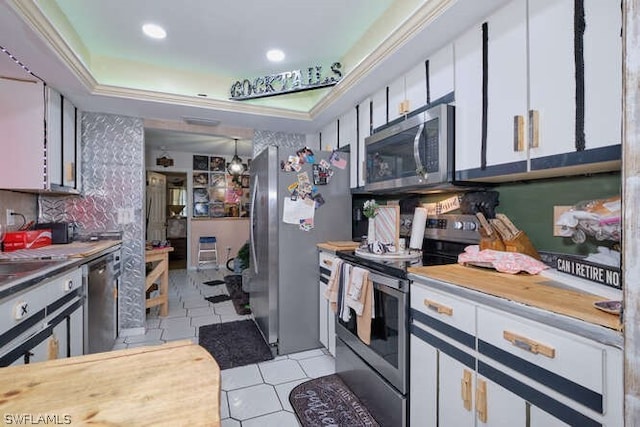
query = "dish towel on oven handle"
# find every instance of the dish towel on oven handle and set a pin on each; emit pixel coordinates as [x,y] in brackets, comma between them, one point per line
[331,293]
[359,297]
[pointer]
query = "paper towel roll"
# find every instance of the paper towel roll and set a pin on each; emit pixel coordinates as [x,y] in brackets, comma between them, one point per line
[417,228]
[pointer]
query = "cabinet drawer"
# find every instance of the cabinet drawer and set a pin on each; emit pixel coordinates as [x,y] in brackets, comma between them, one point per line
[556,359]
[443,308]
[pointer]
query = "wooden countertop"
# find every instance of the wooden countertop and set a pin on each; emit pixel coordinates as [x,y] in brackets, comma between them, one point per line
[69,250]
[172,384]
[335,246]
[533,290]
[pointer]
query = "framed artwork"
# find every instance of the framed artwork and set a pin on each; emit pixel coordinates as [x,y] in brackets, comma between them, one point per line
[200,179]
[200,195]
[217,164]
[216,209]
[200,163]
[217,194]
[200,209]
[244,181]
[388,224]
[218,180]
[231,209]
[233,195]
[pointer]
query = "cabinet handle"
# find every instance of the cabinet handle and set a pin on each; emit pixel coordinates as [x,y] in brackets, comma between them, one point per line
[481,401]
[327,262]
[437,307]
[534,128]
[466,389]
[364,170]
[529,345]
[518,133]
[53,347]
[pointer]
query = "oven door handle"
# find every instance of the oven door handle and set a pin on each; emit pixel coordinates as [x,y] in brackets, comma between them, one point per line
[389,282]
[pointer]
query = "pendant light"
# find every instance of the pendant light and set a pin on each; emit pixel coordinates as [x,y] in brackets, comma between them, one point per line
[235,167]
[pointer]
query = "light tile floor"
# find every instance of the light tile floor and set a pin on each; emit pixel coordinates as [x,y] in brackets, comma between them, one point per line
[252,395]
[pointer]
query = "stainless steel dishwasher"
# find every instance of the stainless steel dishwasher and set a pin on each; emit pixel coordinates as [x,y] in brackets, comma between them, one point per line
[101,310]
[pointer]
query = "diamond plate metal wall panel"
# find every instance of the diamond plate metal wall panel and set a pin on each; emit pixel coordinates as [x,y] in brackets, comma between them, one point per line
[265,138]
[112,178]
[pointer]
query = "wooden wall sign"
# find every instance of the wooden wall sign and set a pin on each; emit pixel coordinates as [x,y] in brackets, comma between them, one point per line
[286,82]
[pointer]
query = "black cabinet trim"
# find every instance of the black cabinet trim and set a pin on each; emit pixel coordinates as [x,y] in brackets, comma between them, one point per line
[536,398]
[21,327]
[576,158]
[572,390]
[451,350]
[448,330]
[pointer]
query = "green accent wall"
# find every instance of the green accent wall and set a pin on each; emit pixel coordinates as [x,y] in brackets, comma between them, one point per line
[530,207]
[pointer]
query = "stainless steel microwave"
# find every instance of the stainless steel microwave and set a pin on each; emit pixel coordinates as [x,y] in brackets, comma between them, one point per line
[416,154]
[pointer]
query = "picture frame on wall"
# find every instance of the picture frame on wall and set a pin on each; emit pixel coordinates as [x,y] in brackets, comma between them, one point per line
[200,179]
[218,180]
[244,181]
[217,164]
[217,194]
[201,210]
[200,195]
[200,163]
[216,210]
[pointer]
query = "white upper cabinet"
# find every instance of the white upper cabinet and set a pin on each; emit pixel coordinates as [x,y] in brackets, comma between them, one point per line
[552,96]
[507,84]
[330,135]
[603,73]
[358,166]
[22,116]
[379,108]
[440,74]
[347,131]
[468,94]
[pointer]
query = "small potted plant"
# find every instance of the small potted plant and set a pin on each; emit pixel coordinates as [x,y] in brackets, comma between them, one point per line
[370,210]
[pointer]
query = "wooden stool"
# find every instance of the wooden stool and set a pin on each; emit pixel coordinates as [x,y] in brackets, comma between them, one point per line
[159,258]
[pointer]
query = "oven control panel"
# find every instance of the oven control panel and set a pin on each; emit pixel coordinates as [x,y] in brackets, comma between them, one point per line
[453,227]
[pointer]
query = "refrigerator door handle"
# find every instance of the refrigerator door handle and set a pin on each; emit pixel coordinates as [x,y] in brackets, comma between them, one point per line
[252,220]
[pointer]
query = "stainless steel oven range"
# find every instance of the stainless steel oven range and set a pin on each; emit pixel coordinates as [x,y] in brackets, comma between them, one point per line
[379,373]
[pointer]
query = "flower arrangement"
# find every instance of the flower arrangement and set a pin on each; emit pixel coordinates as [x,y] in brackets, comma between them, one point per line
[370,209]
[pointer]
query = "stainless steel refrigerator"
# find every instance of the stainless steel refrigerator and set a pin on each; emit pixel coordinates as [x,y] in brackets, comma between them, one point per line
[283,283]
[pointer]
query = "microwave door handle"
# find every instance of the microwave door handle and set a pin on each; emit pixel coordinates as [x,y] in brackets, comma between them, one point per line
[416,148]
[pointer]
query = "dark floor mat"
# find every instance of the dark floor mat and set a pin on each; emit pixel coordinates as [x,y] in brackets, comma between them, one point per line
[218,298]
[214,282]
[238,296]
[319,399]
[235,344]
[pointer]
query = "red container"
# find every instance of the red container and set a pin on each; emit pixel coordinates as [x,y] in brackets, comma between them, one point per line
[15,240]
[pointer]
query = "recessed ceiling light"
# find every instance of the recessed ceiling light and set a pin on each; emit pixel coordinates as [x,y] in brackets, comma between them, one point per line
[154,31]
[275,55]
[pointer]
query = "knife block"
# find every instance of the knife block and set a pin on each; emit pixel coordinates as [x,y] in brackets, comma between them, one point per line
[521,244]
[492,242]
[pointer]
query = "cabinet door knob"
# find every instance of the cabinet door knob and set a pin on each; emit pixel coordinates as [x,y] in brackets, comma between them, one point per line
[527,344]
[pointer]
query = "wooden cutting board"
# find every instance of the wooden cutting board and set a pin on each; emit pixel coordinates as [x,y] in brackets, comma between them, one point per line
[335,246]
[346,244]
[533,290]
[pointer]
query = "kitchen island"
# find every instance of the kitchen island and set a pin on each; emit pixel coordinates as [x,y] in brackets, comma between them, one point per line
[172,384]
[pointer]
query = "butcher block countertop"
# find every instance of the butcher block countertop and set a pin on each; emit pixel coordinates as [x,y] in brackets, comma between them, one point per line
[172,384]
[334,246]
[69,250]
[532,290]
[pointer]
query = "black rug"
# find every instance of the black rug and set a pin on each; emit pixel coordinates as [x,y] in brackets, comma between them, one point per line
[218,298]
[235,344]
[239,297]
[214,282]
[328,400]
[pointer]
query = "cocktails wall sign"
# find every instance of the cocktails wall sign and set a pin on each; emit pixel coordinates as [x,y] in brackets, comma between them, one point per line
[286,82]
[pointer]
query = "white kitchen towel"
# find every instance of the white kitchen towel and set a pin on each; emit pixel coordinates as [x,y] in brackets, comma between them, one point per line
[355,298]
[343,308]
[331,293]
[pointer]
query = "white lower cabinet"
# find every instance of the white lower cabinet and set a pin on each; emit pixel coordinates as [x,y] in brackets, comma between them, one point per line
[327,319]
[475,365]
